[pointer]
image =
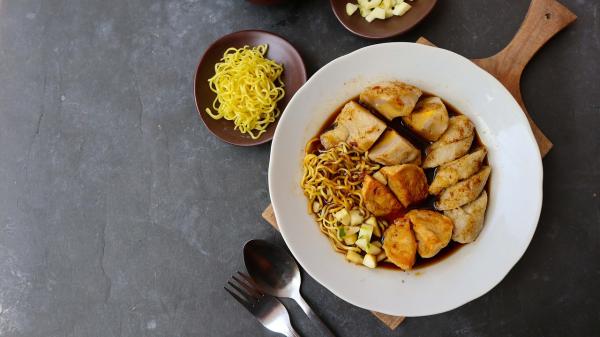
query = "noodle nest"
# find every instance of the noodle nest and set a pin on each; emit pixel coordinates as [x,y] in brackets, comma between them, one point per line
[248,87]
[332,180]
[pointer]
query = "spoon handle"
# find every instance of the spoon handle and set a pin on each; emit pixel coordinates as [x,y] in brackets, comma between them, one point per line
[313,317]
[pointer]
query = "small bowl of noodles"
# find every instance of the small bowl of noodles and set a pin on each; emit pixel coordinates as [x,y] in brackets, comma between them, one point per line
[243,83]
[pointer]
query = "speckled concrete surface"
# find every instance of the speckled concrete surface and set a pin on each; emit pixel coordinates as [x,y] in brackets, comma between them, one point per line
[121,215]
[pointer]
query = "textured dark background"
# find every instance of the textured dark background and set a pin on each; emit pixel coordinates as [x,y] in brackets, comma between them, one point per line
[121,215]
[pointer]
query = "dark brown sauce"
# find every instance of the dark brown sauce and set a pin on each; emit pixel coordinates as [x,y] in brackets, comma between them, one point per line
[421,263]
[398,125]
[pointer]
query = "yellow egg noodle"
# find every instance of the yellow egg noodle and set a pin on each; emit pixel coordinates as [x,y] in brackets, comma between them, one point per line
[332,180]
[248,87]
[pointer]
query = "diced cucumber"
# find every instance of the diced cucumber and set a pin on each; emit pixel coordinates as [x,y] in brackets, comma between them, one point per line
[369,4]
[342,216]
[371,221]
[369,261]
[349,240]
[401,9]
[389,12]
[356,218]
[351,8]
[364,11]
[365,232]
[361,243]
[350,230]
[372,249]
[354,257]
[379,13]
[346,231]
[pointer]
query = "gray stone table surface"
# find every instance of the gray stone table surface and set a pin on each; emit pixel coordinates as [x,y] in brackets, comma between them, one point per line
[121,215]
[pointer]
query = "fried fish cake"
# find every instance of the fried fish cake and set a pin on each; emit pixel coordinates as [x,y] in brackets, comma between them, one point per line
[408,182]
[432,229]
[400,245]
[378,199]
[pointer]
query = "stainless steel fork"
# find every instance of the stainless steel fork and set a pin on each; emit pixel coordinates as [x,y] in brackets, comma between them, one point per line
[266,308]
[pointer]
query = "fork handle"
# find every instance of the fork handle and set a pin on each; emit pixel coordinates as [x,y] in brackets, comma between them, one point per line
[313,317]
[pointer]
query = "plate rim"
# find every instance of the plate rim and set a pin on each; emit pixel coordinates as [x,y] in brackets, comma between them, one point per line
[202,60]
[537,207]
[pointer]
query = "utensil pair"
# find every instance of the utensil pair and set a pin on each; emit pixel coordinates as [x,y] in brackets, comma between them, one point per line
[274,273]
[267,309]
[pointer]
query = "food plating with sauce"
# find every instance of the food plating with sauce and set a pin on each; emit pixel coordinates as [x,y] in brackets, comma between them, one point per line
[454,206]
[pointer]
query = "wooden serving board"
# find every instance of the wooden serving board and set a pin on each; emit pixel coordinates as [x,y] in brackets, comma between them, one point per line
[544,19]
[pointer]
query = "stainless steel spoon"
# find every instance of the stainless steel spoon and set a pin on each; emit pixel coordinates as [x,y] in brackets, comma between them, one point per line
[276,273]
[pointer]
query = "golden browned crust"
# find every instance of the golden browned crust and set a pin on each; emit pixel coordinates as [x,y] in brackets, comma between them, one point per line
[378,199]
[432,229]
[400,244]
[408,182]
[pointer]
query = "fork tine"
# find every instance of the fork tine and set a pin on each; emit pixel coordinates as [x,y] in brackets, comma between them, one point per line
[250,280]
[251,288]
[238,298]
[249,297]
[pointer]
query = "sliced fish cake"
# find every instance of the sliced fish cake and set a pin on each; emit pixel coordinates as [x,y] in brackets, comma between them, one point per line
[429,119]
[453,144]
[468,219]
[463,192]
[457,170]
[356,126]
[393,149]
[392,99]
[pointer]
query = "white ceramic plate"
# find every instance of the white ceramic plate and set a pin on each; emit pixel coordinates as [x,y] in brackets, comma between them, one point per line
[516,181]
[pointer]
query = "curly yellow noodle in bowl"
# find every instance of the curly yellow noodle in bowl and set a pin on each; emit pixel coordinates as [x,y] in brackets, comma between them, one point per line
[332,180]
[248,87]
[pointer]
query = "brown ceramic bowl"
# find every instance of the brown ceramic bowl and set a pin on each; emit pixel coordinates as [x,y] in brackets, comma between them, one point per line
[381,29]
[280,50]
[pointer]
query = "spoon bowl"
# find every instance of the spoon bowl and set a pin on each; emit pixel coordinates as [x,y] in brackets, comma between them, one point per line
[276,273]
[272,268]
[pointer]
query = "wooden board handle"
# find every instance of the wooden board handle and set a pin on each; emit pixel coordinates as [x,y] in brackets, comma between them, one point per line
[543,20]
